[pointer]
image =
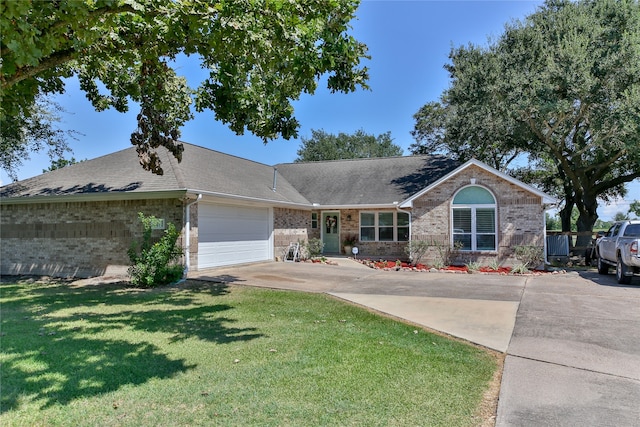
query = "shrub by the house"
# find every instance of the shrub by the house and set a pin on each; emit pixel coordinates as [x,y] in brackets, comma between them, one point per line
[155,264]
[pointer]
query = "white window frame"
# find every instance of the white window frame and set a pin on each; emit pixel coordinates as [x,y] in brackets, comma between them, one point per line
[474,234]
[376,226]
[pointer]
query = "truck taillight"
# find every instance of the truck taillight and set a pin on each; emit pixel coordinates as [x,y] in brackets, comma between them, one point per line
[634,248]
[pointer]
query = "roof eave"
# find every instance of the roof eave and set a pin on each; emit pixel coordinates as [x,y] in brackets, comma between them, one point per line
[355,206]
[257,200]
[93,197]
[545,198]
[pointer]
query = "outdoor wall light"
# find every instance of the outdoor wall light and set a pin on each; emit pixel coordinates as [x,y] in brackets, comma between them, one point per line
[349,217]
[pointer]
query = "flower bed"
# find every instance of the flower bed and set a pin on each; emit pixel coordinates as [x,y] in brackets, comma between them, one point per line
[395,265]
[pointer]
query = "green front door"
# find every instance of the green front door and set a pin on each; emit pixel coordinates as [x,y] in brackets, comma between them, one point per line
[331,232]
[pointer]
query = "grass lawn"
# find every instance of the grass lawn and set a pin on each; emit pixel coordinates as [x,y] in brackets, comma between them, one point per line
[211,354]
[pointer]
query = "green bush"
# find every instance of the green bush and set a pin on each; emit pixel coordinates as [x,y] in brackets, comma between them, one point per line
[416,249]
[446,253]
[473,266]
[530,256]
[314,247]
[155,264]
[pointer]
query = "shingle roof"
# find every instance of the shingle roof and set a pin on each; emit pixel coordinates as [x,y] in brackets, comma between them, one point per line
[201,169]
[365,181]
[344,182]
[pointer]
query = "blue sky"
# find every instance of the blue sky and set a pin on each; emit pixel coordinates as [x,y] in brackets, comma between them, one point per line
[409,42]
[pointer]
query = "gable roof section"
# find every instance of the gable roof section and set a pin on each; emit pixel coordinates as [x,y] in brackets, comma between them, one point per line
[546,199]
[365,182]
[375,182]
[215,173]
[119,174]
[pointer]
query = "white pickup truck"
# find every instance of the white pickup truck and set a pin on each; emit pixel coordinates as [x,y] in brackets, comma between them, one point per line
[619,247]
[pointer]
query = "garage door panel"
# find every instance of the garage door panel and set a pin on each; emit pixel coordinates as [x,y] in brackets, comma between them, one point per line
[230,230]
[230,235]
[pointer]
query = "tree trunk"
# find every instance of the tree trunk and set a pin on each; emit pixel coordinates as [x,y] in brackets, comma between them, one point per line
[569,203]
[588,215]
[565,216]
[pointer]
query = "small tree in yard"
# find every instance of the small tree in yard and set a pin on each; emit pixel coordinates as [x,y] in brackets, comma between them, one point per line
[529,257]
[416,249]
[313,247]
[447,253]
[155,264]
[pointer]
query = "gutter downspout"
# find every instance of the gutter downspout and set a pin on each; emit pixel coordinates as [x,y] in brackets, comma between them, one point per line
[187,236]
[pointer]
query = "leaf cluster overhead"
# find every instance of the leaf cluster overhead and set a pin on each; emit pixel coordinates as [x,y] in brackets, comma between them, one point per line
[560,89]
[260,56]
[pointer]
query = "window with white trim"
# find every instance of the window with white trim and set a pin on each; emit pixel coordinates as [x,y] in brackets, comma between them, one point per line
[473,213]
[386,226]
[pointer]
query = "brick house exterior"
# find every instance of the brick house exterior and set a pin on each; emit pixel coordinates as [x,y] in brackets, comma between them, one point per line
[81,220]
[76,239]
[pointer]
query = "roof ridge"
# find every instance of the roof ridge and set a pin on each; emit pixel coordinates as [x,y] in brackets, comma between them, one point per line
[177,170]
[357,159]
[226,154]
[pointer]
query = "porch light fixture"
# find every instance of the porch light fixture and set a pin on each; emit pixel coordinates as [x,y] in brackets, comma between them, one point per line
[348,217]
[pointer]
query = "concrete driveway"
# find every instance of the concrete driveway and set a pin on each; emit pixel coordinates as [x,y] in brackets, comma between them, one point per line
[574,357]
[572,341]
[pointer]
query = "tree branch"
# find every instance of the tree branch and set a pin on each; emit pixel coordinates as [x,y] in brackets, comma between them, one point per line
[62,56]
[58,58]
[605,185]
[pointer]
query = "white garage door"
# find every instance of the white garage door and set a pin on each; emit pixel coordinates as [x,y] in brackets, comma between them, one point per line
[230,235]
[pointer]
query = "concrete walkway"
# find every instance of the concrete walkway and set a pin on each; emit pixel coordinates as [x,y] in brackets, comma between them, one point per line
[572,342]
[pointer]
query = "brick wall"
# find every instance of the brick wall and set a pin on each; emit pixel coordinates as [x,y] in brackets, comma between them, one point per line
[520,216]
[78,239]
[373,250]
[290,226]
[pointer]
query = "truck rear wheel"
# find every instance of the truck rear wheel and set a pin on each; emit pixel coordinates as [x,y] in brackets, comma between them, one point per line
[621,273]
[603,267]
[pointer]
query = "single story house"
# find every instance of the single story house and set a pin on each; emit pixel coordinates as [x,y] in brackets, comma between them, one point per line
[81,220]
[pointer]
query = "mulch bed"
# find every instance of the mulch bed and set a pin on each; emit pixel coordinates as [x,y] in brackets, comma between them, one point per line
[404,266]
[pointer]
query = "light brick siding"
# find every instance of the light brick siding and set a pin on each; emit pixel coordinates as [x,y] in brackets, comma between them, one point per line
[92,238]
[520,216]
[374,250]
[290,226]
[193,235]
[79,239]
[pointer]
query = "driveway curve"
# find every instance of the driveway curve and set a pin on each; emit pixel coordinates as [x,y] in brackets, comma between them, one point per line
[572,341]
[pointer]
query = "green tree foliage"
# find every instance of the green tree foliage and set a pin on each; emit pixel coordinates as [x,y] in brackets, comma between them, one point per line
[552,222]
[260,55]
[155,263]
[39,130]
[60,163]
[620,216]
[559,90]
[326,146]
[634,208]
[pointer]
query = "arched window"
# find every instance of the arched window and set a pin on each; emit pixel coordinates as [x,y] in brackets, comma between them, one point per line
[473,211]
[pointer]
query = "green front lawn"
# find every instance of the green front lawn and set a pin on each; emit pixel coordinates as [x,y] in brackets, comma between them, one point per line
[215,354]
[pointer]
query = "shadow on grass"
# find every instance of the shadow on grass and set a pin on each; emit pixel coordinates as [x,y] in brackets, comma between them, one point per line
[66,369]
[61,343]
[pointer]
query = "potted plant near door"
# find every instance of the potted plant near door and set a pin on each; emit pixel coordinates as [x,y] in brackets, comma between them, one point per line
[348,241]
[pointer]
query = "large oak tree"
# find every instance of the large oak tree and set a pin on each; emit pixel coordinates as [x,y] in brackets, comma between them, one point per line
[560,90]
[327,146]
[260,55]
